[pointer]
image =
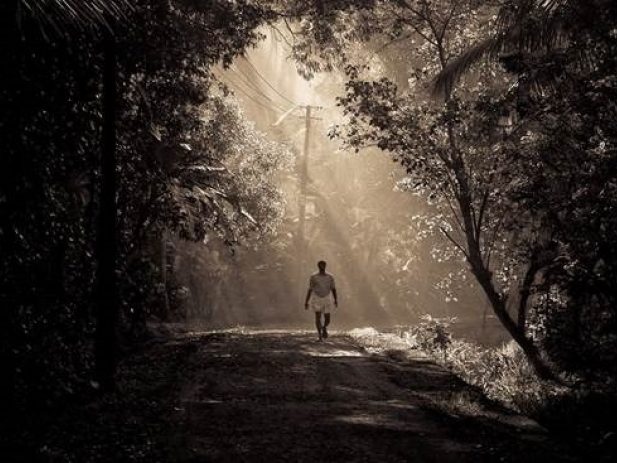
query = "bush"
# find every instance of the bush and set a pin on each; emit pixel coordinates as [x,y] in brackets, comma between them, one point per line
[581,411]
[433,335]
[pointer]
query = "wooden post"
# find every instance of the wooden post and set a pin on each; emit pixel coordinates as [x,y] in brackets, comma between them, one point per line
[106,291]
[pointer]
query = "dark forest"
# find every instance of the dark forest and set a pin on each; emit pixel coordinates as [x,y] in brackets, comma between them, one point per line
[172,172]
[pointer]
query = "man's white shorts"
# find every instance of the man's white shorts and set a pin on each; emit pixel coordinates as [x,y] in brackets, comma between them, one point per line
[322,304]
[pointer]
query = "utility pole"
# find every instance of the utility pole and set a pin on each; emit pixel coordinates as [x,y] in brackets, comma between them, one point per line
[303,186]
[303,181]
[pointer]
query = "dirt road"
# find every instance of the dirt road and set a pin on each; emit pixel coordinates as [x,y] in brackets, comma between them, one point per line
[287,397]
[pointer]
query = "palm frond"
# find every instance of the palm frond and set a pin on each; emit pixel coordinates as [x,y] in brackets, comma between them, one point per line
[80,14]
[456,68]
[534,25]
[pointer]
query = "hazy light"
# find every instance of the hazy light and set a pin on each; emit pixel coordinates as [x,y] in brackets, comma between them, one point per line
[351,206]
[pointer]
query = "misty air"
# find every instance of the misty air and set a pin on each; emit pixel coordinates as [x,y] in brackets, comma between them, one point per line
[308,231]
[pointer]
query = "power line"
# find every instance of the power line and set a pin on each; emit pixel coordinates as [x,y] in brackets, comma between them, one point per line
[258,94]
[252,86]
[269,84]
[277,92]
[235,86]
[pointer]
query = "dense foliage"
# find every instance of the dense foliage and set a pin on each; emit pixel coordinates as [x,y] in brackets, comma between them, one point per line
[517,162]
[517,159]
[565,146]
[178,174]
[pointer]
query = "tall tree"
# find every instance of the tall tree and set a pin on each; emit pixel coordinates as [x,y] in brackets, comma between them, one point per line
[60,207]
[562,57]
[447,150]
[99,18]
[106,294]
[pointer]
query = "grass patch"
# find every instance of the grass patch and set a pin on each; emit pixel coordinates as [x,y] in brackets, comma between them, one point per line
[581,411]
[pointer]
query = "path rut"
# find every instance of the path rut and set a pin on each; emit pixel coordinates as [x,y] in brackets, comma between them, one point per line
[286,397]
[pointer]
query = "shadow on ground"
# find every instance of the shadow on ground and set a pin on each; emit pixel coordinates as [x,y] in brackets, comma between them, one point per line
[286,397]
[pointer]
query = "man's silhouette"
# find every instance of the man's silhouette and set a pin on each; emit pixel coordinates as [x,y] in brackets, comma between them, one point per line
[321,284]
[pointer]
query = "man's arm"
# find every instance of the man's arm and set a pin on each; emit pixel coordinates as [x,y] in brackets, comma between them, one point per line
[308,296]
[334,293]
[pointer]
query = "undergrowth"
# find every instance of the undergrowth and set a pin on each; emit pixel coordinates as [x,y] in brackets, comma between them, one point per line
[580,410]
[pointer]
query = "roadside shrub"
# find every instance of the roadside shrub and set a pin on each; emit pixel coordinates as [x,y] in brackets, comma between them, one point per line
[503,373]
[433,335]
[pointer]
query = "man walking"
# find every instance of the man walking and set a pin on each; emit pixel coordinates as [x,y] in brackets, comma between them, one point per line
[321,284]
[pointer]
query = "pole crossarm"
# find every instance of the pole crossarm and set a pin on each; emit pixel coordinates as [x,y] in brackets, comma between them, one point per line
[289,113]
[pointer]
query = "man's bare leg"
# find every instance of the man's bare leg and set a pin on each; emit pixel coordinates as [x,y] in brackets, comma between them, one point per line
[326,322]
[318,324]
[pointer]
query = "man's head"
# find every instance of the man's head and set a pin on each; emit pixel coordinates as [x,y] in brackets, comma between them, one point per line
[321,265]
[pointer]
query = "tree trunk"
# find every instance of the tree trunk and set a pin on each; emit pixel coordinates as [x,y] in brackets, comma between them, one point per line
[107,304]
[484,276]
[499,308]
[483,327]
[167,311]
[524,294]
